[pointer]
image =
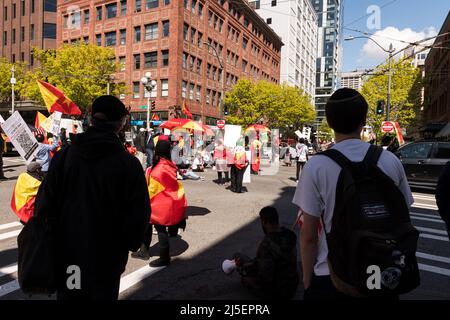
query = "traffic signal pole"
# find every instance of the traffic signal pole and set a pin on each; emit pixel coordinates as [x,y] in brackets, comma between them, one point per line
[388,111]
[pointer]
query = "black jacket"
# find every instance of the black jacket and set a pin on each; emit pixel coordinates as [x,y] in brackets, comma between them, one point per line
[443,195]
[97,194]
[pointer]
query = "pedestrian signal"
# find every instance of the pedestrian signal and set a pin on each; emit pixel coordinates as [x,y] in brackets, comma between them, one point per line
[380,107]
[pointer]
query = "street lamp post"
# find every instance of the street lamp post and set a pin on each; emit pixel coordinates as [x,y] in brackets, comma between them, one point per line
[390,51]
[149,85]
[222,80]
[13,82]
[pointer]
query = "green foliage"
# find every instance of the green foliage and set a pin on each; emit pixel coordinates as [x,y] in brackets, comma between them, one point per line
[81,71]
[5,76]
[276,106]
[405,94]
[325,132]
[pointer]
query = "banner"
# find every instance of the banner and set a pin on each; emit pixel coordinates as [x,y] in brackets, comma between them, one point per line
[232,135]
[21,137]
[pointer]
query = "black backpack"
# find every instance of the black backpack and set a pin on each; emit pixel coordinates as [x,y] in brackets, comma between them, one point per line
[370,229]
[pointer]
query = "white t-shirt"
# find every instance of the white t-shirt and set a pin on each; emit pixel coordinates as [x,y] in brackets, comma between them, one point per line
[302,151]
[316,190]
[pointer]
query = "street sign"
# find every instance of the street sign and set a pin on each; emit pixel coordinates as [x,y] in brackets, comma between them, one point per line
[220,124]
[142,107]
[156,123]
[387,126]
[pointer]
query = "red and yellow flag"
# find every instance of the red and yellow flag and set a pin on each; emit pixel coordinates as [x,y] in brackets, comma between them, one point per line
[39,119]
[55,100]
[155,117]
[167,198]
[24,196]
[186,110]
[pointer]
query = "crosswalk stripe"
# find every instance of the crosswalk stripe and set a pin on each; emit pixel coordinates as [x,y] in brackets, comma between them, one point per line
[426,219]
[10,225]
[432,236]
[131,279]
[9,287]
[424,197]
[432,257]
[444,233]
[10,234]
[434,269]
[8,269]
[424,206]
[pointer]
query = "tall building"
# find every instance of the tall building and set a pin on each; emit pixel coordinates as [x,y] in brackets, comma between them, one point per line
[296,23]
[352,79]
[27,24]
[329,48]
[195,49]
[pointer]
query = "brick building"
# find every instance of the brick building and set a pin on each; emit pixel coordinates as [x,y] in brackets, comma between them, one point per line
[26,24]
[437,73]
[177,41]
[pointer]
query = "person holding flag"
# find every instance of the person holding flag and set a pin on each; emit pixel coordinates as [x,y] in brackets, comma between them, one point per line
[25,191]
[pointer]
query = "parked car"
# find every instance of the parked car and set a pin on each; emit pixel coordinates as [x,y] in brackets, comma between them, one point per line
[424,161]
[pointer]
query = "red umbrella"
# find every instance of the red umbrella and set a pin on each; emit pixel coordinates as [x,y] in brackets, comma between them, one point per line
[257,127]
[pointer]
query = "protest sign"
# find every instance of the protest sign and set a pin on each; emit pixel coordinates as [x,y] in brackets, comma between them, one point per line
[232,135]
[56,123]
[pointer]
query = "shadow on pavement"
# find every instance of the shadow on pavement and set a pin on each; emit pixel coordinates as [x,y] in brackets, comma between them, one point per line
[177,247]
[197,211]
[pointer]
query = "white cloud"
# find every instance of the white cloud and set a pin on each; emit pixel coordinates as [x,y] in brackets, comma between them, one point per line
[371,53]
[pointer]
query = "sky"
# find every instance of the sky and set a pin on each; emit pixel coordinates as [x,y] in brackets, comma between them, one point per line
[407,20]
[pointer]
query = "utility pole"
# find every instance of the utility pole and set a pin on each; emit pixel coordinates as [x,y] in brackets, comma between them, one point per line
[149,85]
[388,111]
[13,82]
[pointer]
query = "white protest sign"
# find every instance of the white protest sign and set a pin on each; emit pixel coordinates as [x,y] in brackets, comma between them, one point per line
[56,123]
[21,137]
[2,121]
[247,176]
[232,135]
[47,123]
[299,134]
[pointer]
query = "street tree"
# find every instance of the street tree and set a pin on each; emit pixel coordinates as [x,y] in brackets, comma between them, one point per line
[5,79]
[81,71]
[405,94]
[324,131]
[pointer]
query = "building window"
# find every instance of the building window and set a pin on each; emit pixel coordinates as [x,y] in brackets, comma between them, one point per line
[32,9]
[150,60]
[164,88]
[111,10]
[269,20]
[193,5]
[98,39]
[110,38]
[199,39]
[244,65]
[14,11]
[76,19]
[13,58]
[198,91]
[257,4]
[31,59]
[274,3]
[22,56]
[151,31]
[32,32]
[166,2]
[186,3]
[208,94]
[22,34]
[199,66]
[99,13]
[22,9]
[193,31]
[244,43]
[183,89]
[165,58]
[136,87]
[86,16]
[191,63]
[245,22]
[122,63]
[191,91]
[86,40]
[5,13]
[49,31]
[137,6]
[186,32]
[150,4]
[123,37]
[123,7]
[185,57]
[5,38]
[50,5]
[137,61]
[165,27]
[137,34]
[13,36]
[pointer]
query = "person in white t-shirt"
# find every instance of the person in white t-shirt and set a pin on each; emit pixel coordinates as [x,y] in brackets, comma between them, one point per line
[302,156]
[346,113]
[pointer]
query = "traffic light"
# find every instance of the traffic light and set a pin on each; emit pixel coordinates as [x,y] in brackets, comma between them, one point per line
[225,110]
[153,105]
[380,107]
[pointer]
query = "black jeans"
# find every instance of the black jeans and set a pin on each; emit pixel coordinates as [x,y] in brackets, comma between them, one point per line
[237,176]
[1,163]
[300,166]
[219,176]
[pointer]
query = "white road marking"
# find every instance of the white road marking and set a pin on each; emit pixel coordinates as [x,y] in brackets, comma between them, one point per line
[424,206]
[426,219]
[131,279]
[432,236]
[9,287]
[10,234]
[8,269]
[432,257]
[10,225]
[444,233]
[424,197]
[443,271]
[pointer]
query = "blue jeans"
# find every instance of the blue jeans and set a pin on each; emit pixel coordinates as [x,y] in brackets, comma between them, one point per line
[149,157]
[191,175]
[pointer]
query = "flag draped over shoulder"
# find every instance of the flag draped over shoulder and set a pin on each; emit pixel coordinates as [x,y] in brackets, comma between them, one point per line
[55,100]
[186,110]
[167,197]
[24,196]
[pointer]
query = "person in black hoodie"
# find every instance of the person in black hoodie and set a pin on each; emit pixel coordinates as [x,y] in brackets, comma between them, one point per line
[97,201]
[273,273]
[443,196]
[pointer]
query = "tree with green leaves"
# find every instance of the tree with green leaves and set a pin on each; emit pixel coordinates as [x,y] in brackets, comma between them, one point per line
[275,106]
[405,94]
[81,71]
[5,79]
[324,131]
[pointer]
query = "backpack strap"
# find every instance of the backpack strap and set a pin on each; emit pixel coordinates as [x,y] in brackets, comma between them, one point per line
[337,157]
[372,155]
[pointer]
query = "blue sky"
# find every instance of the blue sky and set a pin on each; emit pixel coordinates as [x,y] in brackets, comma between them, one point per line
[400,19]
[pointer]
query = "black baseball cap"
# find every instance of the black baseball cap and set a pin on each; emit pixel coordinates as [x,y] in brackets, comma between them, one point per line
[110,106]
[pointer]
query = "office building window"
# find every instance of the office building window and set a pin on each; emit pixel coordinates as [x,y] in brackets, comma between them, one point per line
[269,20]
[22,56]
[5,38]
[122,63]
[191,91]
[50,5]
[186,3]
[5,13]
[183,89]
[137,61]
[151,31]
[150,60]
[199,39]
[98,39]
[32,9]
[198,91]
[14,11]
[123,7]
[193,6]
[150,4]
[22,9]
[31,59]
[185,57]
[208,94]
[86,40]
[123,37]
[31,31]
[99,13]
[166,2]
[49,31]
[199,66]
[136,87]
[137,6]
[274,3]
[244,43]
[165,58]
[164,87]
[22,34]
[200,9]
[86,16]
[110,38]
[166,28]
[137,34]
[193,31]
[111,10]
[191,63]
[186,32]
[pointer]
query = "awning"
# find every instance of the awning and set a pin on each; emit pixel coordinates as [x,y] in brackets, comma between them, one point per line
[445,132]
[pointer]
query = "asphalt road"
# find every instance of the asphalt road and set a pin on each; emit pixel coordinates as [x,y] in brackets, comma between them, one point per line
[221,223]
